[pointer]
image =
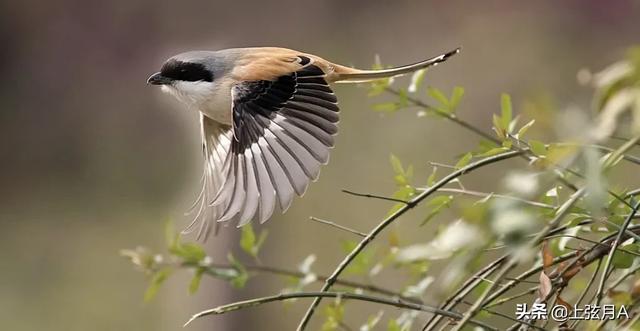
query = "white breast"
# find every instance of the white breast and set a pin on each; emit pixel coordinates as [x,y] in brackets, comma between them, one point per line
[211,98]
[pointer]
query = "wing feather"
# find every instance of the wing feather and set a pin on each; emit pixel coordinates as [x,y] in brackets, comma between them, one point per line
[284,190]
[281,133]
[265,186]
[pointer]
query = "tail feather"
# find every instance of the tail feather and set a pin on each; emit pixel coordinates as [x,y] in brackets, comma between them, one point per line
[351,75]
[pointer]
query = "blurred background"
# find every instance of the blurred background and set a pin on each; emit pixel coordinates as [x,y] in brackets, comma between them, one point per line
[94,160]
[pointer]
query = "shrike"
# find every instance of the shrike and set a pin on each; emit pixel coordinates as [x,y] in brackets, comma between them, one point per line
[268,120]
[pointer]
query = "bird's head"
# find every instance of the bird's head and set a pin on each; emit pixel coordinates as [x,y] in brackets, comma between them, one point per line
[192,77]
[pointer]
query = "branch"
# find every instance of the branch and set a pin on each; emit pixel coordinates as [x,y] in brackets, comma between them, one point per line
[616,242]
[465,289]
[449,116]
[585,291]
[298,274]
[630,158]
[500,196]
[513,297]
[469,285]
[373,196]
[491,312]
[342,295]
[527,155]
[365,241]
[336,225]
[632,193]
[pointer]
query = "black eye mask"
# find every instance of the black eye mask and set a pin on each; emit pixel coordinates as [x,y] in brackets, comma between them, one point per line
[186,71]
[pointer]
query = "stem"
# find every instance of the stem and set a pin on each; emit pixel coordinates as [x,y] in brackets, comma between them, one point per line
[585,291]
[335,225]
[342,295]
[499,196]
[449,116]
[623,277]
[468,286]
[373,196]
[616,242]
[496,313]
[630,158]
[633,193]
[465,289]
[513,297]
[297,274]
[620,151]
[390,219]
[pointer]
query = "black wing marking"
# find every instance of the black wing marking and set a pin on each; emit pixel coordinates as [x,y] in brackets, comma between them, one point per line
[281,134]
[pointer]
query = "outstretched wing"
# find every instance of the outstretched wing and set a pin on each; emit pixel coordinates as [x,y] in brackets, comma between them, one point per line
[216,144]
[281,134]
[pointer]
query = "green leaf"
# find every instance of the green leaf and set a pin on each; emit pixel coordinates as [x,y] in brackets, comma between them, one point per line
[171,236]
[393,326]
[396,165]
[189,252]
[156,281]
[622,260]
[240,280]
[409,172]
[538,148]
[194,284]
[464,161]
[486,145]
[141,257]
[438,204]
[248,240]
[400,180]
[438,96]
[524,129]
[403,98]
[249,243]
[507,113]
[493,151]
[378,86]
[386,107]
[497,127]
[261,239]
[513,124]
[362,263]
[335,315]
[456,97]
[404,192]
[432,178]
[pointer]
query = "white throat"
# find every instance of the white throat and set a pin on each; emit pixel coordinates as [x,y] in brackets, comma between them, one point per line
[211,98]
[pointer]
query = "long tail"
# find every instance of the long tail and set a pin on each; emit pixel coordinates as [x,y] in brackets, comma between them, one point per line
[352,75]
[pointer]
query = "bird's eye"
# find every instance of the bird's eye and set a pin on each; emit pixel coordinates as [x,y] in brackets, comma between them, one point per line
[186,71]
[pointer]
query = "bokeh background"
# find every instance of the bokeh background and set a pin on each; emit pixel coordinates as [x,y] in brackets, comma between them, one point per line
[93,160]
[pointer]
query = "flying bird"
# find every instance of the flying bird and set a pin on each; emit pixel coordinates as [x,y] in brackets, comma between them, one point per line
[268,119]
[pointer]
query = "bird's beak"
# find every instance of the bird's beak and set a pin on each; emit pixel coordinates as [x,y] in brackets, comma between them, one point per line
[158,79]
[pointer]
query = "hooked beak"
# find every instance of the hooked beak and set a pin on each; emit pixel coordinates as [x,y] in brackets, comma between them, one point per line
[158,79]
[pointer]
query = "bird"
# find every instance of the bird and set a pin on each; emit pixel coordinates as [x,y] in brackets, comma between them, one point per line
[268,119]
